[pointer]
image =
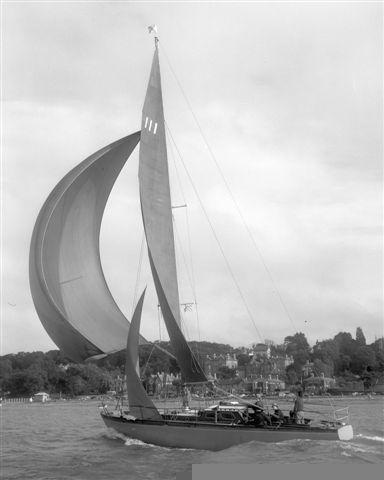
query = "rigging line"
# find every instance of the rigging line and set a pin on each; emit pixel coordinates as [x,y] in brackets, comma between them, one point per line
[178,238]
[138,273]
[177,174]
[183,322]
[184,325]
[215,235]
[193,275]
[146,363]
[159,319]
[180,248]
[183,256]
[192,281]
[269,273]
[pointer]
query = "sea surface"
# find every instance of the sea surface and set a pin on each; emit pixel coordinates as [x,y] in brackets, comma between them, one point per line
[68,440]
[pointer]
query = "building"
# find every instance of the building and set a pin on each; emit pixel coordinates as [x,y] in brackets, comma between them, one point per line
[270,385]
[231,361]
[262,350]
[288,360]
[308,369]
[162,384]
[318,385]
[212,363]
[379,386]
[262,365]
[41,397]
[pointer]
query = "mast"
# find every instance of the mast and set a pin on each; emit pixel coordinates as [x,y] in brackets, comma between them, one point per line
[155,198]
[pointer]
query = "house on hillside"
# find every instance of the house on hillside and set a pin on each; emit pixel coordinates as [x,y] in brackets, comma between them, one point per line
[262,350]
[318,385]
[231,361]
[270,385]
[308,369]
[41,397]
[378,387]
[213,362]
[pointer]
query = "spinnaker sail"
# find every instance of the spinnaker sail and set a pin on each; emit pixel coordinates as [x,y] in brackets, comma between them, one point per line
[67,282]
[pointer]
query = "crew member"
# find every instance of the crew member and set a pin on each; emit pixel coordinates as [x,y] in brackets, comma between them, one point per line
[259,417]
[298,407]
[277,414]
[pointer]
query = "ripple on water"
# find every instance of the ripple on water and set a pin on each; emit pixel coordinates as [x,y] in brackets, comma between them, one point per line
[68,440]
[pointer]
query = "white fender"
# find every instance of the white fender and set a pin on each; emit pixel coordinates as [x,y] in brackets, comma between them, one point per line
[345,433]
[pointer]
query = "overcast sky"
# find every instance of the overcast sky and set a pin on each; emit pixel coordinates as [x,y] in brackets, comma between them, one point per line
[289,97]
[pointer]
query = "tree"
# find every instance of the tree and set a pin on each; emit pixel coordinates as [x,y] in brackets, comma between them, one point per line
[154,360]
[347,345]
[379,363]
[173,366]
[224,373]
[24,383]
[97,380]
[278,350]
[321,367]
[378,345]
[360,338]
[363,357]
[5,372]
[243,359]
[297,346]
[343,364]
[76,385]
[327,351]
[295,343]
[369,378]
[177,384]
[291,375]
[300,359]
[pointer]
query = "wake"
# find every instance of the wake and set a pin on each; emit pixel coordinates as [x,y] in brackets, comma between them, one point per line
[129,442]
[374,438]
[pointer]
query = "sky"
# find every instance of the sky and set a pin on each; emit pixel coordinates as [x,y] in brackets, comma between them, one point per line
[288,97]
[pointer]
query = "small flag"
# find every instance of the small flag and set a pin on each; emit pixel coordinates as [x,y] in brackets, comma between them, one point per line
[152,28]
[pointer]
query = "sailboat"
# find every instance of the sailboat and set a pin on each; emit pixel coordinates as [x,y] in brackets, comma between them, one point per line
[76,307]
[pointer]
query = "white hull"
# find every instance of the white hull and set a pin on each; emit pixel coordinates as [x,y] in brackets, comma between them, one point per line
[206,436]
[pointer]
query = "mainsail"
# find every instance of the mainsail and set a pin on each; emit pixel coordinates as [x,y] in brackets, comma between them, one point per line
[157,218]
[67,282]
[140,405]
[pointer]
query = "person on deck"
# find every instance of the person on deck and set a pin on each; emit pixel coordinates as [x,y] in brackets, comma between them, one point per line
[186,396]
[259,417]
[298,407]
[277,414]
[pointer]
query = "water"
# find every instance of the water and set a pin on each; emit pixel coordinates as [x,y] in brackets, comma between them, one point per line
[68,440]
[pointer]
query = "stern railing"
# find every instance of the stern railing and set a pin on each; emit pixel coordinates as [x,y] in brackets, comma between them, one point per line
[341,414]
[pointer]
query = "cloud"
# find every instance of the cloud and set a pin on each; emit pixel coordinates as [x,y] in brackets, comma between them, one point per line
[288,97]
